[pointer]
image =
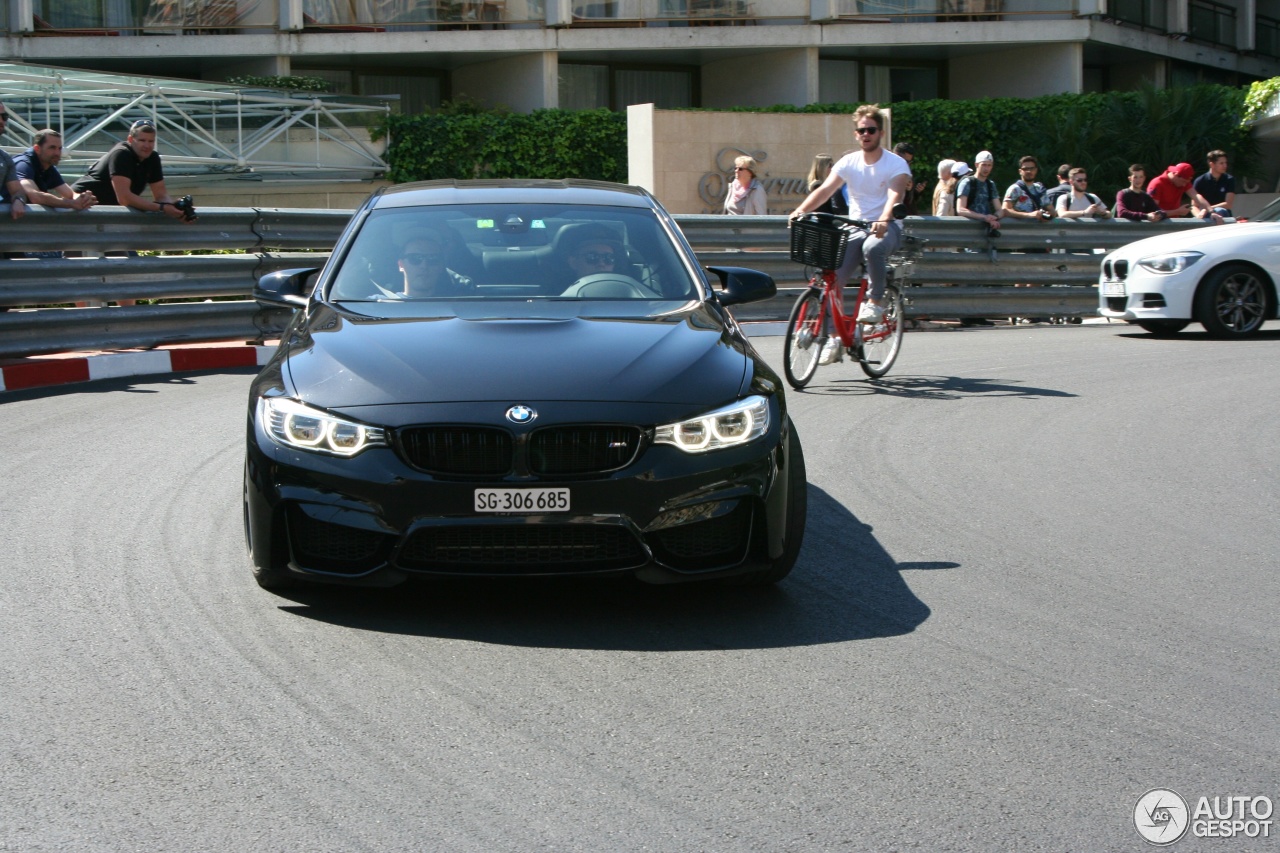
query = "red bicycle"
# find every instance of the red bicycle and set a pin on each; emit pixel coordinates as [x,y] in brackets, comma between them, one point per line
[819,240]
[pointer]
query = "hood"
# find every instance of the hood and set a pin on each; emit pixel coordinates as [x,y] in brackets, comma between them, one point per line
[337,360]
[1198,238]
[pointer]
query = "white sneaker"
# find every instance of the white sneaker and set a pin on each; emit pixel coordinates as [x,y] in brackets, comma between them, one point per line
[832,351]
[870,313]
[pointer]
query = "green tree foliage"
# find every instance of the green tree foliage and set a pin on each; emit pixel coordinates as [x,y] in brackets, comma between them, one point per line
[295,83]
[1104,133]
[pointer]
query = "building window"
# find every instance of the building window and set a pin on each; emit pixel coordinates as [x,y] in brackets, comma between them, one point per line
[615,87]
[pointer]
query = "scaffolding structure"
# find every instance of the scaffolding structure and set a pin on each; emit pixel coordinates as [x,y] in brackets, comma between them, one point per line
[202,128]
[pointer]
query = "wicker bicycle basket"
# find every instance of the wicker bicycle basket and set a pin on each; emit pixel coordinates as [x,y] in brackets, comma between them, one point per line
[818,243]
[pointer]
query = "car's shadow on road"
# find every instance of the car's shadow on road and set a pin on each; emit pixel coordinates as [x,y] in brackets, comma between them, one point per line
[929,388]
[844,587]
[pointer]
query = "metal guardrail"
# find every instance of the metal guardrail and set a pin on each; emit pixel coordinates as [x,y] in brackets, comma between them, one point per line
[948,251]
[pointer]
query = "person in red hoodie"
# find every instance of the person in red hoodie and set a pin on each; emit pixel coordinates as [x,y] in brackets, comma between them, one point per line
[1172,189]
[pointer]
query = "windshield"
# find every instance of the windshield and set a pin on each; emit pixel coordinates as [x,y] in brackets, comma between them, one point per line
[1270,213]
[512,251]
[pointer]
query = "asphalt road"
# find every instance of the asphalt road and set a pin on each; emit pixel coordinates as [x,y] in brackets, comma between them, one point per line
[1039,580]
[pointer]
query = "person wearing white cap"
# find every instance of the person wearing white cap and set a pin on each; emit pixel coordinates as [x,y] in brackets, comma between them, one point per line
[978,197]
[944,194]
[877,180]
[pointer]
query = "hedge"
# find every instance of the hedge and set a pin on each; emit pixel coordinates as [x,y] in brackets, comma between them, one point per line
[1102,132]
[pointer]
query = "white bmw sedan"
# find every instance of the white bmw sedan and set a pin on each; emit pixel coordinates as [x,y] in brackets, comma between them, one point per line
[1223,277]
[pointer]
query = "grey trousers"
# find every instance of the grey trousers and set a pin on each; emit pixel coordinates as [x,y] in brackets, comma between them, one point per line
[877,252]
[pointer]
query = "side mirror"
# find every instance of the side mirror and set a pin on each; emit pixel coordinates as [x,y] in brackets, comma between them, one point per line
[741,285]
[284,288]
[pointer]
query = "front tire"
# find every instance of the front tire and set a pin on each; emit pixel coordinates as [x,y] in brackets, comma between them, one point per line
[1233,302]
[1163,328]
[803,344]
[876,346]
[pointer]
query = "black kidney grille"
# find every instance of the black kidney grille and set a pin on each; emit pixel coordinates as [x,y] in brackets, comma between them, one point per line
[521,549]
[582,449]
[458,450]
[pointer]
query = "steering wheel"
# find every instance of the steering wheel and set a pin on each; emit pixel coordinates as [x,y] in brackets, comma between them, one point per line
[607,285]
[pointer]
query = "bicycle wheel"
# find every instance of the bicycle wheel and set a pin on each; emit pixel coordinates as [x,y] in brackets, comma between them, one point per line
[876,346]
[804,339]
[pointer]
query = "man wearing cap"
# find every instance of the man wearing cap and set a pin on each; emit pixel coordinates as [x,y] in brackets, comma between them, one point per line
[978,197]
[1170,190]
[126,170]
[877,180]
[11,192]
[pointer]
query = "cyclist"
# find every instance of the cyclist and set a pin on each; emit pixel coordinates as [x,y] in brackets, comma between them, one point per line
[877,180]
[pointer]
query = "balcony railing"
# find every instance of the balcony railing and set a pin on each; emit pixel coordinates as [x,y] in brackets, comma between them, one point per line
[902,11]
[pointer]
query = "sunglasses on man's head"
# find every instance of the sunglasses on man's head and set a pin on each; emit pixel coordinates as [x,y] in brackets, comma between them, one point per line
[418,258]
[598,257]
[142,124]
[863,131]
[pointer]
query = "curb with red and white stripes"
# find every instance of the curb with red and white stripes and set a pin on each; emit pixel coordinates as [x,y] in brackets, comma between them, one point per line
[41,372]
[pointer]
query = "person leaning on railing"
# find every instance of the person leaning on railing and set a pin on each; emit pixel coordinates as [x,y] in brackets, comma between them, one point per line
[11,192]
[37,170]
[132,166]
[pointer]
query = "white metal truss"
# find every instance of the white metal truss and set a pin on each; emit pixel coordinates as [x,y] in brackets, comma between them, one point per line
[202,128]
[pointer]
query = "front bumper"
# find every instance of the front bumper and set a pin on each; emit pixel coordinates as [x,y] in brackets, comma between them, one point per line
[374,520]
[1128,292]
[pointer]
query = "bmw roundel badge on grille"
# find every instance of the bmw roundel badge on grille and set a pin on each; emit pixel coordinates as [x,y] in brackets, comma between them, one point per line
[521,414]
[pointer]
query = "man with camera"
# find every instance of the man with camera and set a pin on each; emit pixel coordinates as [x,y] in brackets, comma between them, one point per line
[1025,197]
[129,168]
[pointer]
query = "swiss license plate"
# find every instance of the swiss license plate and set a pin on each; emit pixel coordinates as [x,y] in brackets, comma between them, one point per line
[522,500]
[1113,288]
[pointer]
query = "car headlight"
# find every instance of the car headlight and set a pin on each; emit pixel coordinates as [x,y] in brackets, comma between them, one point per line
[1171,263]
[297,425]
[730,426]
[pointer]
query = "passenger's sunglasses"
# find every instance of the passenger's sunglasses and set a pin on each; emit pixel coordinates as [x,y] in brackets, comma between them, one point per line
[417,259]
[599,257]
[864,131]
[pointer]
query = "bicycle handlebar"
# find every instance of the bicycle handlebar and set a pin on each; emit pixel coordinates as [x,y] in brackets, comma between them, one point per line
[899,212]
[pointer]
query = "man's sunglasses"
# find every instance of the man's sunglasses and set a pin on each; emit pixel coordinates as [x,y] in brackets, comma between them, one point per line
[863,131]
[599,257]
[418,258]
[4,116]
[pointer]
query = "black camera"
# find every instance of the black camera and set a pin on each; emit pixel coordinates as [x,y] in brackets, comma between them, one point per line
[188,208]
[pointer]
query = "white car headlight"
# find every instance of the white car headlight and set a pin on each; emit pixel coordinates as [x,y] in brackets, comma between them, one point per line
[735,424]
[1170,263]
[297,425]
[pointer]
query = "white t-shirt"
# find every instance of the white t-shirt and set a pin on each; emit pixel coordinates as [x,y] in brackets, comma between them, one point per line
[869,185]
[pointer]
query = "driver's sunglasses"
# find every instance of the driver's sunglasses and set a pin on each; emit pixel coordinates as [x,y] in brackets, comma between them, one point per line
[599,257]
[417,258]
[863,131]
[4,116]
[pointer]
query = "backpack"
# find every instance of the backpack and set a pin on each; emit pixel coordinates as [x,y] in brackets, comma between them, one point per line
[993,192]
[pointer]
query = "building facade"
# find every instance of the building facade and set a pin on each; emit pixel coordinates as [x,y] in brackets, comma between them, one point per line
[531,54]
